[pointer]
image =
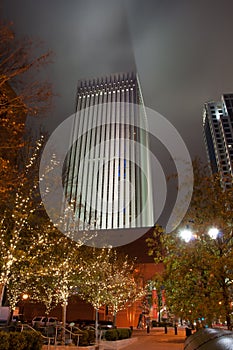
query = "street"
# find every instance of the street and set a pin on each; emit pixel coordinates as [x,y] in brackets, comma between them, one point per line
[158,340]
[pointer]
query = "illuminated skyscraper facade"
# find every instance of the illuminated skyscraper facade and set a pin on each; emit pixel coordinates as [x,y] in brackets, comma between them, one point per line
[218,134]
[108,175]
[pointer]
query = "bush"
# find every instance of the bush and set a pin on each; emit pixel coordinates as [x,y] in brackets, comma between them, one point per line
[27,340]
[87,337]
[83,340]
[17,341]
[4,341]
[123,333]
[118,334]
[33,340]
[111,334]
[91,336]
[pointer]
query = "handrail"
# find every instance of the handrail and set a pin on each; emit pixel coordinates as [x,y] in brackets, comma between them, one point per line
[70,332]
[60,326]
[43,336]
[49,339]
[75,327]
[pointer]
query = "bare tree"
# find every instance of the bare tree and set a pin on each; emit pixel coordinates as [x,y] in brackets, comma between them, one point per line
[22,94]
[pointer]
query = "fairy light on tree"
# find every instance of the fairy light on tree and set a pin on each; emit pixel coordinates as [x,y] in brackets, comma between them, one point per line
[95,280]
[108,280]
[53,277]
[124,288]
[21,95]
[14,223]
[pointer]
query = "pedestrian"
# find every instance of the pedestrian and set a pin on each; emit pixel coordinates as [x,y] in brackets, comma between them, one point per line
[148,324]
[140,321]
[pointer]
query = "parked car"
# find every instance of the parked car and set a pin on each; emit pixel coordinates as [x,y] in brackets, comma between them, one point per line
[105,325]
[43,321]
[18,318]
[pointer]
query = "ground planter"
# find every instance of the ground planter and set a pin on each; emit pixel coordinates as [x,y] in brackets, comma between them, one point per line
[117,344]
[68,347]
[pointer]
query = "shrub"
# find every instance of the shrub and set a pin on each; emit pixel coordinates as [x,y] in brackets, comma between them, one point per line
[27,340]
[17,341]
[83,340]
[124,333]
[111,334]
[33,340]
[118,334]
[91,336]
[4,341]
[87,337]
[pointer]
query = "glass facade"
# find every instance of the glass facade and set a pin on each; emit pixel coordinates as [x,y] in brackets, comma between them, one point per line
[107,175]
[218,135]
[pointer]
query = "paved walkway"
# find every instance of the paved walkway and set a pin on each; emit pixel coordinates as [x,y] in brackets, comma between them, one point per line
[158,340]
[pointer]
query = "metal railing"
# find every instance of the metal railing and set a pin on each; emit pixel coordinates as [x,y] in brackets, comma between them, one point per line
[54,339]
[26,326]
[58,338]
[78,335]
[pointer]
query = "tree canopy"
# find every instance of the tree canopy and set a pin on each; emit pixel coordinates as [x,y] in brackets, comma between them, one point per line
[198,274]
[22,94]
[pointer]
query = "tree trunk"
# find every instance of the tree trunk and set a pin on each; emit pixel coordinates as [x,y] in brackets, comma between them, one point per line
[96,326]
[227,305]
[2,290]
[64,310]
[114,318]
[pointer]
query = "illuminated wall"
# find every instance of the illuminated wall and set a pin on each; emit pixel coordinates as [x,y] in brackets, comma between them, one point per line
[108,172]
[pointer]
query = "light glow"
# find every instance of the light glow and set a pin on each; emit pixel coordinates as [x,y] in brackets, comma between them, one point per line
[213,232]
[186,235]
[25,296]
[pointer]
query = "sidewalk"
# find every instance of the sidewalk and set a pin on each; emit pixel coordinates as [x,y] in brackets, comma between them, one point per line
[158,340]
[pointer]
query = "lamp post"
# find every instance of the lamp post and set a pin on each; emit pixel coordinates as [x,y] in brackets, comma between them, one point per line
[186,235]
[223,248]
[213,233]
[25,297]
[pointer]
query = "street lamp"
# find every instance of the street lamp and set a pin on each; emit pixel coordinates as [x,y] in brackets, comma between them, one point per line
[25,296]
[186,235]
[213,233]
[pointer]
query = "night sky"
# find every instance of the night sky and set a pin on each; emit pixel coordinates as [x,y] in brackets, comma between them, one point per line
[182,51]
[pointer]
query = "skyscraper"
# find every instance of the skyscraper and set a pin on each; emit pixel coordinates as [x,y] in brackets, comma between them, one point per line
[218,135]
[108,176]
